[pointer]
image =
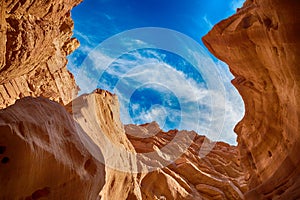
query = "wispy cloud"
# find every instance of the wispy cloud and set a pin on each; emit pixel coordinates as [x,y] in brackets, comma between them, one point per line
[234,103]
[207,22]
[108,16]
[194,98]
[83,38]
[201,106]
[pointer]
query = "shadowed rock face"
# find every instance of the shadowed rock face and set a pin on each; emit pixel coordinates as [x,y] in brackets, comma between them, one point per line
[46,153]
[261,43]
[44,148]
[42,155]
[35,38]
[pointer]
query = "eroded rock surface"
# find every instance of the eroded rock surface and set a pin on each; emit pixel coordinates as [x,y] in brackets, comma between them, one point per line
[261,43]
[47,153]
[98,115]
[35,37]
[218,175]
[42,155]
[159,165]
[44,148]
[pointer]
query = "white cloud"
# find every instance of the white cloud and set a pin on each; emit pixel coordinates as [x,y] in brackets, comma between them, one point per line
[208,23]
[234,103]
[90,70]
[156,113]
[80,36]
[139,71]
[189,93]
[107,16]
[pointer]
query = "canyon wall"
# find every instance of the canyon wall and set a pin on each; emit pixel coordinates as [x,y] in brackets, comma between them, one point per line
[261,43]
[98,115]
[42,154]
[35,37]
[47,152]
[82,150]
[135,162]
[218,175]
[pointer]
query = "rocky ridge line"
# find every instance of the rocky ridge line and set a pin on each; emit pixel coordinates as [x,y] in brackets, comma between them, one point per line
[218,175]
[54,155]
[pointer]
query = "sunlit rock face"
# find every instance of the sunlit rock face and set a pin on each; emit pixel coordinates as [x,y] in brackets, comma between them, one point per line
[85,153]
[98,115]
[42,154]
[260,43]
[47,152]
[218,175]
[35,38]
[127,157]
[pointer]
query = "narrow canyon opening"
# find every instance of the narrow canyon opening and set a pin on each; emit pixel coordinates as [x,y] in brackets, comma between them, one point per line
[156,82]
[56,146]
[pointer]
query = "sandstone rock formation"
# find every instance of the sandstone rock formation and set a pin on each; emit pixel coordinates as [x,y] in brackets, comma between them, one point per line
[45,153]
[42,156]
[218,175]
[98,115]
[35,37]
[261,45]
[49,153]
[136,167]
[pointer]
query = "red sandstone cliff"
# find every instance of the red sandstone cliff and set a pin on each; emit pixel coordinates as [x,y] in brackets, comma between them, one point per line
[218,175]
[48,153]
[261,43]
[35,38]
[42,154]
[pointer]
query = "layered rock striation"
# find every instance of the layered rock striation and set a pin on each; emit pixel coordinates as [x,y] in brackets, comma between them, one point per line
[35,38]
[82,151]
[260,43]
[217,175]
[147,163]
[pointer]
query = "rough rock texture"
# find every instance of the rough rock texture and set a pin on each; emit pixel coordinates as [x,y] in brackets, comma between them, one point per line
[35,37]
[128,159]
[42,156]
[98,115]
[261,43]
[44,148]
[47,154]
[218,175]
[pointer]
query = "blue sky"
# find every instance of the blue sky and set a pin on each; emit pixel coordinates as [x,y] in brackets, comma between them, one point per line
[163,86]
